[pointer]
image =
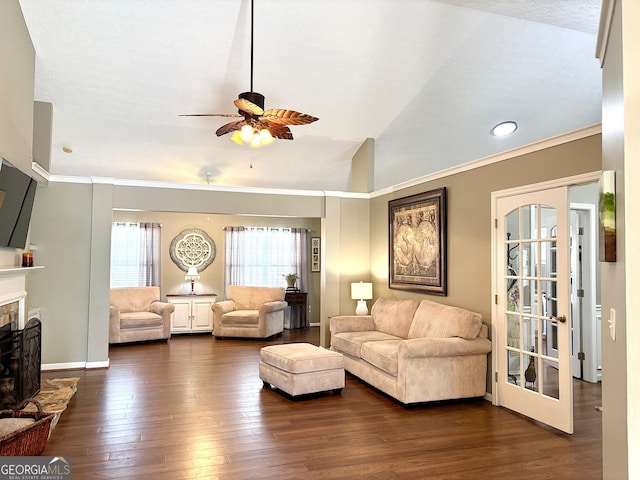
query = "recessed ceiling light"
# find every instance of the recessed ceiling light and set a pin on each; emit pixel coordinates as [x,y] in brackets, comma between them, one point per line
[504,128]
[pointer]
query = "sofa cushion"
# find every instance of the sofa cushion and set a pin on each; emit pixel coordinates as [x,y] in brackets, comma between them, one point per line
[351,342]
[241,317]
[251,298]
[394,316]
[382,354]
[140,320]
[435,320]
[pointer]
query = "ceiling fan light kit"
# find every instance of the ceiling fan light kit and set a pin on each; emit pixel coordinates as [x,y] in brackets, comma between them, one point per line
[258,126]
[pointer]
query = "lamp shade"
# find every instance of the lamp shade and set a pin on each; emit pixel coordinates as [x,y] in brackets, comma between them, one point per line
[361,291]
[192,274]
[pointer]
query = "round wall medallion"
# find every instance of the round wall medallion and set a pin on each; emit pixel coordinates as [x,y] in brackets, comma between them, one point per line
[192,248]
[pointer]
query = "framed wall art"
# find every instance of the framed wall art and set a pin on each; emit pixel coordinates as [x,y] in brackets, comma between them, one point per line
[418,242]
[607,216]
[192,248]
[315,254]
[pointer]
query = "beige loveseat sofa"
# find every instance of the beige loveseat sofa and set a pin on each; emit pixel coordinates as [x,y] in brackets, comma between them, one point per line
[415,351]
[254,312]
[136,314]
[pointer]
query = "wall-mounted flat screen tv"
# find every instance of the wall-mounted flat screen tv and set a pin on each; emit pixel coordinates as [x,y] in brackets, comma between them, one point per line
[17,192]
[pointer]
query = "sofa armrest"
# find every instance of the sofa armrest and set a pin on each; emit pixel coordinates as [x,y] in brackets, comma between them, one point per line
[223,307]
[114,324]
[351,323]
[163,309]
[443,347]
[269,307]
[114,313]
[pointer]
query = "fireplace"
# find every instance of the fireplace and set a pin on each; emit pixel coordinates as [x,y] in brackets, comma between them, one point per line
[10,314]
[20,362]
[20,341]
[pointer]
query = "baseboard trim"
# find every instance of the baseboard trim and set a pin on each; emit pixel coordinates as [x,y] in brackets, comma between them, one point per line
[102,364]
[488,397]
[74,365]
[63,366]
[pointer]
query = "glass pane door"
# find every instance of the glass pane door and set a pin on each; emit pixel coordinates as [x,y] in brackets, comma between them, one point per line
[533,281]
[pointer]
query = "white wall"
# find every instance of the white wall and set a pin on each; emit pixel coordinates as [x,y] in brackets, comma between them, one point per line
[17,68]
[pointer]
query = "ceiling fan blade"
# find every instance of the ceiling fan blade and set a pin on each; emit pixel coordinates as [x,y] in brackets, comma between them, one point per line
[247,106]
[234,115]
[288,117]
[230,127]
[279,131]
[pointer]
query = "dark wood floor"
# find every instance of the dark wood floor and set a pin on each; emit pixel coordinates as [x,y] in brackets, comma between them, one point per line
[194,408]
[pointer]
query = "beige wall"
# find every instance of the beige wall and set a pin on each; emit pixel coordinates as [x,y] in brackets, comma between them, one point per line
[469,219]
[212,279]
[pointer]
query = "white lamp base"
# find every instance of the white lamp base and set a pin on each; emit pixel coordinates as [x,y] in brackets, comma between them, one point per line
[361,308]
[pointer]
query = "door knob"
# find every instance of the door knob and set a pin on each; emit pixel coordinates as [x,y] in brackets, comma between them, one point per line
[561,318]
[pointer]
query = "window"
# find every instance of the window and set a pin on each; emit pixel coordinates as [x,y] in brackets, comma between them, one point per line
[261,256]
[135,254]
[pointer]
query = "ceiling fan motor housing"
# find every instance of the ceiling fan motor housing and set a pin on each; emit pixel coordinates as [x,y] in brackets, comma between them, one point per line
[254,97]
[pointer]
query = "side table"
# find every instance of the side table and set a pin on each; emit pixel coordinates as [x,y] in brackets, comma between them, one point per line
[298,303]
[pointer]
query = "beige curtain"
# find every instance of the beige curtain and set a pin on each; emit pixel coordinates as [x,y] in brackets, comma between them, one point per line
[150,254]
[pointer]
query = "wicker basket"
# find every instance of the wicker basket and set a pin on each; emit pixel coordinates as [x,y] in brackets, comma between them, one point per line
[31,439]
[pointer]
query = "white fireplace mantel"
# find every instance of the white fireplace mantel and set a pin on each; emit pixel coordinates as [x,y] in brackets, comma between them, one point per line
[13,287]
[20,271]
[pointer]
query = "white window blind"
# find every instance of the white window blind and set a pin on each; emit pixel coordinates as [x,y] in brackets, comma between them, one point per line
[135,254]
[261,256]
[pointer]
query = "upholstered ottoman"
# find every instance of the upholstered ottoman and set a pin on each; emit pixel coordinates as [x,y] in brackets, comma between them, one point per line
[301,368]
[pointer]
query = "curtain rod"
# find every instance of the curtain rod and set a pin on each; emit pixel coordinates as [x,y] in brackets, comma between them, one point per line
[241,227]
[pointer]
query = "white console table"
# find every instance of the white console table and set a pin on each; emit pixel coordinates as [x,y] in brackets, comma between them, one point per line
[192,312]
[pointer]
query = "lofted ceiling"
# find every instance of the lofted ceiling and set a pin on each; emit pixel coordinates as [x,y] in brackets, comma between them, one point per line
[425,79]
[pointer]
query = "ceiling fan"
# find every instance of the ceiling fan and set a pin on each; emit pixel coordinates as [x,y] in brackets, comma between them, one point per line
[257,126]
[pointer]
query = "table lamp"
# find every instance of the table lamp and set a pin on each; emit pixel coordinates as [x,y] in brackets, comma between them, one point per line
[192,275]
[361,291]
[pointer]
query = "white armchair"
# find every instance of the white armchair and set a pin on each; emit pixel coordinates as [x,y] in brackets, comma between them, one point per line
[136,314]
[255,312]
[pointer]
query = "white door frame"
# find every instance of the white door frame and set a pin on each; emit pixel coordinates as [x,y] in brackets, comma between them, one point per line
[589,334]
[495,196]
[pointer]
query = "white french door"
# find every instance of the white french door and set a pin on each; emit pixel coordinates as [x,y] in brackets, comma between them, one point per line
[533,336]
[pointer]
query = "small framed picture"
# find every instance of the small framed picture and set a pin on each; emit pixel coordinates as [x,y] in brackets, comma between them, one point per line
[315,254]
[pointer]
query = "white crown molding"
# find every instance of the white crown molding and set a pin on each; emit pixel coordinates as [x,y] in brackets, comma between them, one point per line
[606,18]
[68,179]
[210,188]
[39,169]
[498,157]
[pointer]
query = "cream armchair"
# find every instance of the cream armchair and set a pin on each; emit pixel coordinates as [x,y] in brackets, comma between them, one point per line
[255,312]
[136,314]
